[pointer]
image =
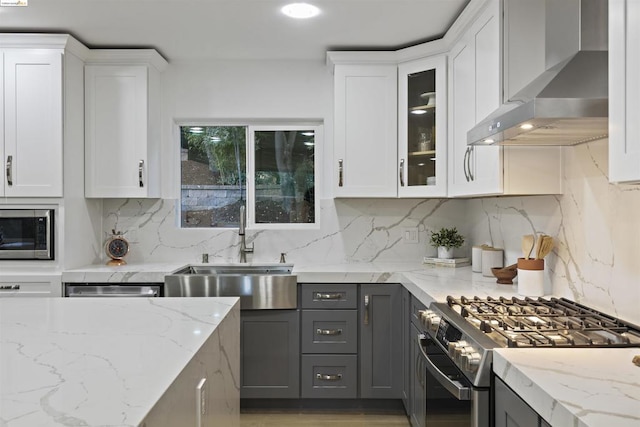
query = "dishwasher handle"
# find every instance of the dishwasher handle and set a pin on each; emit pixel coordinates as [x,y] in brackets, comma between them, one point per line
[456,388]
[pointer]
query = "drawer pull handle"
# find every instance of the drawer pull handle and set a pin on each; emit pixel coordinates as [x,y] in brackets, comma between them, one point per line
[326,377]
[328,331]
[319,296]
[366,309]
[9,287]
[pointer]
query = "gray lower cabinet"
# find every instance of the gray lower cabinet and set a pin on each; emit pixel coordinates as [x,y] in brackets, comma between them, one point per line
[329,341]
[329,376]
[381,341]
[270,354]
[406,350]
[512,411]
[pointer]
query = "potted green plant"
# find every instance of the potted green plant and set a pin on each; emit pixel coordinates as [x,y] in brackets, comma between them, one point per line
[446,240]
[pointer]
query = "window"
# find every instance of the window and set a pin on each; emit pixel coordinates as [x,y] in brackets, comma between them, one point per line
[270,169]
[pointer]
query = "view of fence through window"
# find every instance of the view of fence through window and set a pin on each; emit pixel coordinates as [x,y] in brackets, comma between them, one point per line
[214,175]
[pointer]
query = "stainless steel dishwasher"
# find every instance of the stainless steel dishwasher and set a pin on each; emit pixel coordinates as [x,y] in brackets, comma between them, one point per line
[111,290]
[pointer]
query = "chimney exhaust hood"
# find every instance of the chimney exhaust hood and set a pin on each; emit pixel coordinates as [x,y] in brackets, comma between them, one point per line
[568,103]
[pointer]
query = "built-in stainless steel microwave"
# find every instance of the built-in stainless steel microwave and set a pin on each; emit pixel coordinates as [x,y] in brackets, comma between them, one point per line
[27,234]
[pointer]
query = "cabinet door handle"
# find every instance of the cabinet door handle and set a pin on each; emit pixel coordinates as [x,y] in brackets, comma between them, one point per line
[340,172]
[464,164]
[9,287]
[140,165]
[366,309]
[401,172]
[328,377]
[328,331]
[469,163]
[9,170]
[321,296]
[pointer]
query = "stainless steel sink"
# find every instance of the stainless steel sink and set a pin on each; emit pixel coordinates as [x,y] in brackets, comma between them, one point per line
[259,286]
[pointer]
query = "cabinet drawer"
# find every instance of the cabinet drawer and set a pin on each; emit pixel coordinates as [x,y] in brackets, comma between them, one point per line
[416,306]
[329,376]
[330,331]
[25,289]
[324,296]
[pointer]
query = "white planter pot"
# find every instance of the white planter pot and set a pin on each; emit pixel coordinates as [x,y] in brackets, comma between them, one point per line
[445,253]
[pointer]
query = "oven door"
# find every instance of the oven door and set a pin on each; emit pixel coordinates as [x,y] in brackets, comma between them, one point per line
[451,400]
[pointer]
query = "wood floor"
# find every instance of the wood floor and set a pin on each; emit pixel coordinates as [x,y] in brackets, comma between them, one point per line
[323,419]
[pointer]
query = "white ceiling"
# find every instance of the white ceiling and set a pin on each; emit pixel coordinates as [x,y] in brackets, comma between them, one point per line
[237,29]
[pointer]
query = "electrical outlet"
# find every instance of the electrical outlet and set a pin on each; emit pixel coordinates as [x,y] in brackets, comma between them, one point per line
[201,401]
[410,235]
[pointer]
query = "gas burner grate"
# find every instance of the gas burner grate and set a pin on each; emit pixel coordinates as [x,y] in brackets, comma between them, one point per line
[540,322]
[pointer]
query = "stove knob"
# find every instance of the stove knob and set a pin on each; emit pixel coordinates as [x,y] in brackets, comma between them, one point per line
[423,316]
[455,345]
[433,322]
[471,361]
[459,354]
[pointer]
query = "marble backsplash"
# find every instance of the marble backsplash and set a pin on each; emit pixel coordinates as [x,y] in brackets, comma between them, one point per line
[595,224]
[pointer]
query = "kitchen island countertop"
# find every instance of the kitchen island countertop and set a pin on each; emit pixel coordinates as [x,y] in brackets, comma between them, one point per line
[101,361]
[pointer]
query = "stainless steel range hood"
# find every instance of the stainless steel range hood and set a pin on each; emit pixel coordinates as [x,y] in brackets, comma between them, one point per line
[568,103]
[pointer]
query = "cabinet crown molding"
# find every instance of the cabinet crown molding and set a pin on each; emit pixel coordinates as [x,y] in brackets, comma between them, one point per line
[127,57]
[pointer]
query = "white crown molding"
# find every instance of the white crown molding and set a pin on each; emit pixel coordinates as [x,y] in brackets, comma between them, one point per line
[436,47]
[127,56]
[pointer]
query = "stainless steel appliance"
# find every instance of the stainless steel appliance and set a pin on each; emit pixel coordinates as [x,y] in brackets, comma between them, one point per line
[462,333]
[568,103]
[93,290]
[27,234]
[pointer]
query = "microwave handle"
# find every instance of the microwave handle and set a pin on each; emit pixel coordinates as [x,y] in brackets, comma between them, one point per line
[458,390]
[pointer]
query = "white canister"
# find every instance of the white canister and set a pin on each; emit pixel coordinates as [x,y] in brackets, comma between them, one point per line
[476,258]
[531,277]
[491,257]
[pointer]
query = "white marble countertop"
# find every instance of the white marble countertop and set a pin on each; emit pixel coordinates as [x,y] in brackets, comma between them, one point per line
[581,387]
[93,362]
[426,282]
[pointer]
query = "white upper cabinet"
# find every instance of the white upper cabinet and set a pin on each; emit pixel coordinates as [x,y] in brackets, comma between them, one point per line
[475,91]
[624,90]
[422,128]
[122,142]
[365,135]
[31,116]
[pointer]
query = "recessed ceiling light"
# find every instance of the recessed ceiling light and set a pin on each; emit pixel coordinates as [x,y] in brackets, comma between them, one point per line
[488,141]
[526,126]
[300,10]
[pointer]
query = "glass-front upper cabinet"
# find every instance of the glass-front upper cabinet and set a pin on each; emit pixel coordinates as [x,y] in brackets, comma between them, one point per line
[422,128]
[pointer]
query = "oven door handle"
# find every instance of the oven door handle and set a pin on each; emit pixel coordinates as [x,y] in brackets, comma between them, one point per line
[456,388]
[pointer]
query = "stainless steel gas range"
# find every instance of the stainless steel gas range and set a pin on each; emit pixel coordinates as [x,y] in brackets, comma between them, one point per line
[463,332]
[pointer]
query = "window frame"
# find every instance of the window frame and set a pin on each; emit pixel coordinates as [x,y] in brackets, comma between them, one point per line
[251,127]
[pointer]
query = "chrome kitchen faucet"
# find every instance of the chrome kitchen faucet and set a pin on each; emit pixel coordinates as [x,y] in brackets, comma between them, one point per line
[244,250]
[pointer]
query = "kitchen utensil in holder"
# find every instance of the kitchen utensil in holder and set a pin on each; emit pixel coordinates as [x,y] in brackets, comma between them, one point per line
[531,277]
